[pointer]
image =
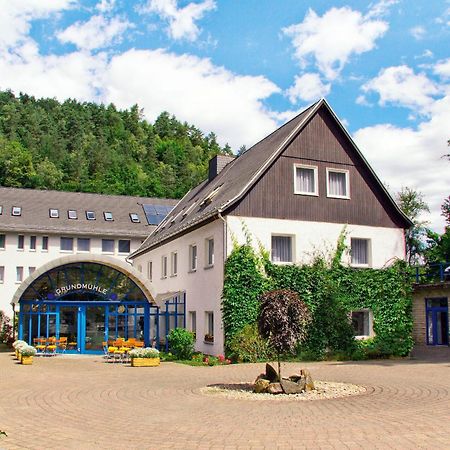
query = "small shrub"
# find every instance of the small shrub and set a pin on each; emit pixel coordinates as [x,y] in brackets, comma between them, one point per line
[181,343]
[27,350]
[147,352]
[248,346]
[6,329]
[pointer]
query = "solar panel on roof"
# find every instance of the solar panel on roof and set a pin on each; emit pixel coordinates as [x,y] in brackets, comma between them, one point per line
[155,214]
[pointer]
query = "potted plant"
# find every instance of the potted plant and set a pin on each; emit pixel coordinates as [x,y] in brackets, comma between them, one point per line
[144,357]
[27,353]
[17,345]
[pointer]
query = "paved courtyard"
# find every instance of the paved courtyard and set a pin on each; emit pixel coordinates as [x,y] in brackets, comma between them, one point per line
[83,403]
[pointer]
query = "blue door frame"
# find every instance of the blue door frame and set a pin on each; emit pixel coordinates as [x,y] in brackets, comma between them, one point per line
[437,324]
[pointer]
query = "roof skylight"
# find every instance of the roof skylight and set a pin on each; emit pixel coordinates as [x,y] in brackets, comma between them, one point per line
[90,215]
[16,211]
[72,214]
[53,213]
[135,218]
[108,216]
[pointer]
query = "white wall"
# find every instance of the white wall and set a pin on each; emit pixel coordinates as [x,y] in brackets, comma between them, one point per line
[203,287]
[11,257]
[312,238]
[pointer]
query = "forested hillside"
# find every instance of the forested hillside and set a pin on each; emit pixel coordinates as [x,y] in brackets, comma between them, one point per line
[87,147]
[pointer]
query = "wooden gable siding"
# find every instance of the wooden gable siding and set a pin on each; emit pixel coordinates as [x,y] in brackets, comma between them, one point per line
[323,144]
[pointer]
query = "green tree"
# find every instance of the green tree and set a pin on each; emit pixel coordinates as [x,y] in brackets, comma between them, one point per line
[413,205]
[16,165]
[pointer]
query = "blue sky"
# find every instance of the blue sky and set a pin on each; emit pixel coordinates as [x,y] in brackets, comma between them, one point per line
[242,68]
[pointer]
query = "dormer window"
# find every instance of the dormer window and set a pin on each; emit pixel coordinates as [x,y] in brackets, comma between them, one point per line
[135,218]
[210,196]
[53,213]
[108,216]
[16,211]
[72,214]
[90,215]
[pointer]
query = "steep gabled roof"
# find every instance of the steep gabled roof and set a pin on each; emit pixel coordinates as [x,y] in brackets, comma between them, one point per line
[210,198]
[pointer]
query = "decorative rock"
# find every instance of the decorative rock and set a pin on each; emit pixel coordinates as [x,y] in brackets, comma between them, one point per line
[261,376]
[302,384]
[271,374]
[261,386]
[275,388]
[289,387]
[308,379]
[295,378]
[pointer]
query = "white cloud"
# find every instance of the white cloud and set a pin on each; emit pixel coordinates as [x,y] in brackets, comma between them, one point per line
[105,6]
[400,86]
[16,16]
[380,8]
[97,32]
[307,87]
[413,157]
[330,40]
[194,90]
[181,20]
[417,32]
[442,68]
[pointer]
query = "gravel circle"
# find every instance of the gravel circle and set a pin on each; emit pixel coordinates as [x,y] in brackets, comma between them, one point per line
[324,390]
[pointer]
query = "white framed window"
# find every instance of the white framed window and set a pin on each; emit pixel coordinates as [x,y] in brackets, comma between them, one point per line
[33,243]
[16,211]
[2,274]
[209,252]
[362,322]
[108,245]
[2,241]
[66,244]
[338,183]
[19,274]
[124,245]
[173,264]
[84,245]
[53,213]
[150,270]
[44,243]
[209,327]
[193,321]
[164,267]
[282,249]
[306,180]
[72,214]
[31,270]
[20,242]
[360,250]
[192,258]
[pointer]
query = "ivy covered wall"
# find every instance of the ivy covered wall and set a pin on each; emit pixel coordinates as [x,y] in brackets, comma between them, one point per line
[331,291]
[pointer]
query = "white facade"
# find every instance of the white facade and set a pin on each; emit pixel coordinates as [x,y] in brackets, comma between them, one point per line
[15,261]
[203,285]
[311,239]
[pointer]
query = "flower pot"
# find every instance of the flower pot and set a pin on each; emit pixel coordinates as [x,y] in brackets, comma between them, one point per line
[145,362]
[27,360]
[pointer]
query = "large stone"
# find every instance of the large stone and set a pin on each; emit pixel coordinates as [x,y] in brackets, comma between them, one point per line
[302,384]
[275,388]
[261,376]
[295,377]
[261,386]
[271,374]
[290,387]
[309,383]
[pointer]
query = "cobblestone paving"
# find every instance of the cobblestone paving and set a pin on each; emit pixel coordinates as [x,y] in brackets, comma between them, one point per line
[83,403]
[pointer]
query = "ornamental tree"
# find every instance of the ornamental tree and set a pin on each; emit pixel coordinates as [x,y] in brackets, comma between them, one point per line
[283,320]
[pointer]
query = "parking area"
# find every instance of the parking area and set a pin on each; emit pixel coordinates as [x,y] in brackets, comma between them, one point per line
[77,402]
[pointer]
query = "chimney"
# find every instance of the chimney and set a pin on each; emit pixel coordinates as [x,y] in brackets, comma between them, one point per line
[217,163]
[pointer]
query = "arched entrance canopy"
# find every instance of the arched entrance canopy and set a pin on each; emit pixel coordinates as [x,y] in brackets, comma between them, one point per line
[96,277]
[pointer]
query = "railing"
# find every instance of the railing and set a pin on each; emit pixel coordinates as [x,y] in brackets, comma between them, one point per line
[431,273]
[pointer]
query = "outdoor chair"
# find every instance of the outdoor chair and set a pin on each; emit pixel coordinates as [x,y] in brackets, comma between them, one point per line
[62,344]
[51,350]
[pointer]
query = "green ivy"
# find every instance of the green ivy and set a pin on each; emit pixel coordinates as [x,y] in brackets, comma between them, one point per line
[331,291]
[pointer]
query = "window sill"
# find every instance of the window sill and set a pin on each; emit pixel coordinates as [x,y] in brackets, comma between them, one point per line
[309,194]
[339,197]
[208,267]
[123,253]
[18,282]
[20,249]
[360,266]
[44,251]
[282,263]
[107,253]
[32,250]
[83,251]
[66,251]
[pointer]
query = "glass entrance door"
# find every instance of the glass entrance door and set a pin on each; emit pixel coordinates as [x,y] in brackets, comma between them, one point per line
[437,321]
[69,326]
[95,333]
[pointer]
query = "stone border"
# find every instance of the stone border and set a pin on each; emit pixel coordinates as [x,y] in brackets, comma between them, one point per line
[244,391]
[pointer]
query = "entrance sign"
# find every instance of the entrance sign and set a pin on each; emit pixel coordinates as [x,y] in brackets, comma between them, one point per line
[80,286]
